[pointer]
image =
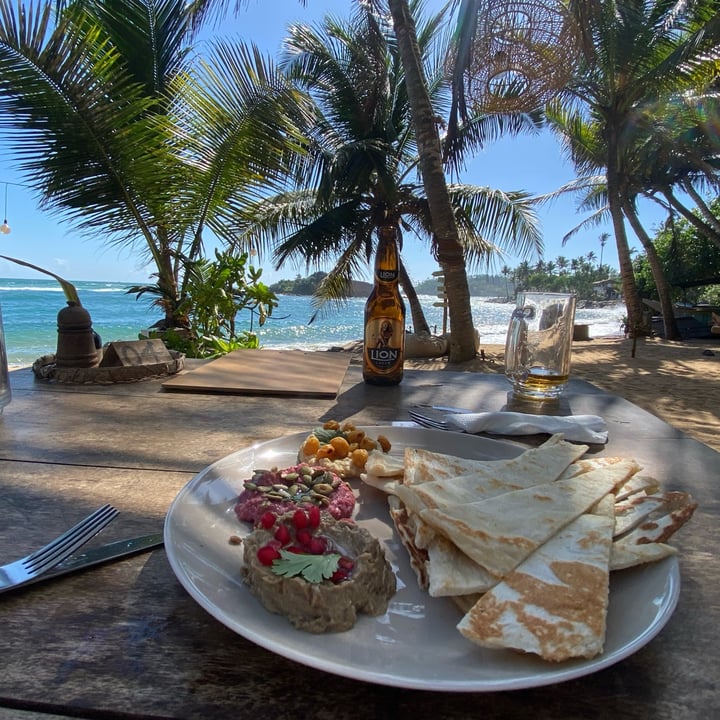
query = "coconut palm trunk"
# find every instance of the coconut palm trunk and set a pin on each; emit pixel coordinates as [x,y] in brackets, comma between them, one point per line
[633,302]
[420,324]
[449,251]
[661,283]
[704,210]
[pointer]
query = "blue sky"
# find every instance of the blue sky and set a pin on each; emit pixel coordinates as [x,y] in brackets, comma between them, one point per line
[533,164]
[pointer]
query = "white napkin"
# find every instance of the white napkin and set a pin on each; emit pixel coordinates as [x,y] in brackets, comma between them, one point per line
[578,428]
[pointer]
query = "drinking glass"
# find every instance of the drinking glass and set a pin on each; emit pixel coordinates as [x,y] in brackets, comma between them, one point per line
[5,393]
[539,345]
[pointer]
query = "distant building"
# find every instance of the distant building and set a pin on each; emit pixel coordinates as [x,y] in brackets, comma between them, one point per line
[609,289]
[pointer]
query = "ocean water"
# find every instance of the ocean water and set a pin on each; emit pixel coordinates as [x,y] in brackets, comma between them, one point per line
[30,308]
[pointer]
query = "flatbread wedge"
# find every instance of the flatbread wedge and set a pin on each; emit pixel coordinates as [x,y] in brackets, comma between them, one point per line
[663,522]
[626,554]
[480,486]
[441,568]
[406,532]
[501,532]
[555,603]
[545,463]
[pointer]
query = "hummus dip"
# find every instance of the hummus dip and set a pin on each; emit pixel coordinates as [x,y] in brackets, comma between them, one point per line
[363,582]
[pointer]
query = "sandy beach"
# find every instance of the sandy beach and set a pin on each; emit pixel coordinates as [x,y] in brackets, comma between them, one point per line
[676,381]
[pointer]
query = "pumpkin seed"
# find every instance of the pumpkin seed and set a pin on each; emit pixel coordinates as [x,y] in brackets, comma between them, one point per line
[323,488]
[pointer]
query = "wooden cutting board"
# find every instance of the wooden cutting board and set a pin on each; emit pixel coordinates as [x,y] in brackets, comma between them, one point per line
[296,373]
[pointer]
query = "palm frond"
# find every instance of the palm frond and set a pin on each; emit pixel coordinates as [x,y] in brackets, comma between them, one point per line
[489,219]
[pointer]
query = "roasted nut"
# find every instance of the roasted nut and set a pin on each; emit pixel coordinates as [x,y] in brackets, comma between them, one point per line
[384,443]
[331,425]
[368,444]
[355,436]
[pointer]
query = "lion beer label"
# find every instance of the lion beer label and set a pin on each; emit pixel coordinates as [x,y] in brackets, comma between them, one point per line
[384,341]
[383,344]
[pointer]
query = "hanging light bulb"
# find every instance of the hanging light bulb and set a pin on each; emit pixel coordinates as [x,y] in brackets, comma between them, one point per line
[5,228]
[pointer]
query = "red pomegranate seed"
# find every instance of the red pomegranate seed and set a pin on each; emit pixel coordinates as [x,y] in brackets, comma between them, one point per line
[318,546]
[300,519]
[338,576]
[267,554]
[314,516]
[283,534]
[346,563]
[304,537]
[267,520]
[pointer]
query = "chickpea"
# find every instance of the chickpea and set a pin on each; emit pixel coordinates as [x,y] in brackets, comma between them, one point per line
[359,457]
[341,445]
[326,451]
[384,443]
[311,446]
[331,425]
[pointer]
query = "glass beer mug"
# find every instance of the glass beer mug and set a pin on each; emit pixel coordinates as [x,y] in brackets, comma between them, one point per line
[5,392]
[539,345]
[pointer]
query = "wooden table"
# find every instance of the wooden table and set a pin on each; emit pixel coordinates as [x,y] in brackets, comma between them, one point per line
[127,641]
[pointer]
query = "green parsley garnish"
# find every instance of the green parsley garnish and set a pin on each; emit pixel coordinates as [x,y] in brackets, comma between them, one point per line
[313,568]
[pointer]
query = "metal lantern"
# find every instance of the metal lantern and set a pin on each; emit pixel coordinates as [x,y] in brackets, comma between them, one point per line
[76,340]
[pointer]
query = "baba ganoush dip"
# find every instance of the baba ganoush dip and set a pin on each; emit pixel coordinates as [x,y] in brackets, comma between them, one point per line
[359,578]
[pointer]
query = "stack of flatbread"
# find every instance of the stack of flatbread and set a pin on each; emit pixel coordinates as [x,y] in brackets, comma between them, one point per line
[525,545]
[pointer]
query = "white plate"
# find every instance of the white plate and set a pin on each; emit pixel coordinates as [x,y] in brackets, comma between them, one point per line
[415,644]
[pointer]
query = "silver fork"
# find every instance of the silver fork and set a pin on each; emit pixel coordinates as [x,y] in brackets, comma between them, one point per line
[38,562]
[429,422]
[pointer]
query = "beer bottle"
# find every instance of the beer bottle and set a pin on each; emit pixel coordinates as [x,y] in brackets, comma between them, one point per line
[384,342]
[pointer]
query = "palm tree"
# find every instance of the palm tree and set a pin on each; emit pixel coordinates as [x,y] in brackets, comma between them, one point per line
[634,53]
[682,154]
[449,250]
[359,168]
[604,237]
[506,273]
[122,133]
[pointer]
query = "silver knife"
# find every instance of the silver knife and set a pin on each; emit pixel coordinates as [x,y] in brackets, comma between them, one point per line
[100,555]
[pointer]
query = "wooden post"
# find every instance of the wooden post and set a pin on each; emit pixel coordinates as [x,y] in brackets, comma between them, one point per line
[440,274]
